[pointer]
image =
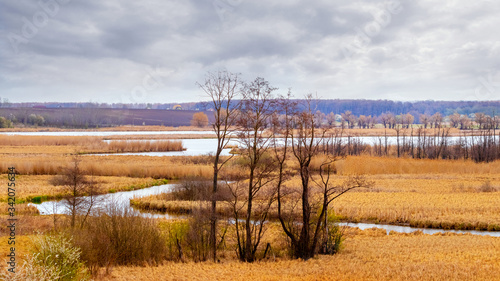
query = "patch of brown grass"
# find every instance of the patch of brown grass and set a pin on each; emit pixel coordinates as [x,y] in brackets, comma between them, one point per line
[144,146]
[29,186]
[368,165]
[367,255]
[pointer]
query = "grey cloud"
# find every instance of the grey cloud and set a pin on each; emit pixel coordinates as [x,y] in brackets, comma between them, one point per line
[428,50]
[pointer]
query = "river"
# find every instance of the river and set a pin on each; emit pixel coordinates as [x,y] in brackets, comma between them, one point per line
[123,199]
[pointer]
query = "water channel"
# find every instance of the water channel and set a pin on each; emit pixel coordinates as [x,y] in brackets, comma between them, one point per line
[123,199]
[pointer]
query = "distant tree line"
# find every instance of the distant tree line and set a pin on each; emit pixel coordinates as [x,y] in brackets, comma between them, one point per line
[343,113]
[357,107]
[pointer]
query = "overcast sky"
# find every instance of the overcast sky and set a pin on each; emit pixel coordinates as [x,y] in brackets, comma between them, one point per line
[156,51]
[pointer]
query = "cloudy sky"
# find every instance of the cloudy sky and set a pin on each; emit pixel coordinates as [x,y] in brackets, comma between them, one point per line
[156,51]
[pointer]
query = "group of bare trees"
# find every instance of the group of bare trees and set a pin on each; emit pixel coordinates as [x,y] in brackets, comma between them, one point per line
[481,145]
[391,121]
[278,139]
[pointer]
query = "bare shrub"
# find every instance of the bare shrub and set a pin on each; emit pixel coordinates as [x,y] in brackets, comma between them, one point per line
[198,234]
[118,236]
[192,189]
[197,189]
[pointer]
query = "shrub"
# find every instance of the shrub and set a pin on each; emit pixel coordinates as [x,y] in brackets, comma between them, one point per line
[198,234]
[332,240]
[53,258]
[118,236]
[30,270]
[192,188]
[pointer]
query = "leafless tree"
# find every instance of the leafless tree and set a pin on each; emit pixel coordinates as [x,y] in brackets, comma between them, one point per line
[222,87]
[303,228]
[437,120]
[454,120]
[79,191]
[465,122]
[330,120]
[256,112]
[480,119]
[424,120]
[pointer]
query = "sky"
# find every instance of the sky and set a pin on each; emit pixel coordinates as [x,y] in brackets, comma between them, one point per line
[156,51]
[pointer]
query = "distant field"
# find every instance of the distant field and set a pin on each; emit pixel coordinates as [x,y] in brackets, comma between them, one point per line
[81,117]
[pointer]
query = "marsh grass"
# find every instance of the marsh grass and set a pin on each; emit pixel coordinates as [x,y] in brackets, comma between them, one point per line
[87,144]
[367,255]
[119,237]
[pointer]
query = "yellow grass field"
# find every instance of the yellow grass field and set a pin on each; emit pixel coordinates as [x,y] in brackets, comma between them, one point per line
[449,201]
[106,129]
[28,186]
[367,255]
[423,193]
[112,165]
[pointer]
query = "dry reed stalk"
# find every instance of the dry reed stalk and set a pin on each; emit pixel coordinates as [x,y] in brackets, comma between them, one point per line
[367,255]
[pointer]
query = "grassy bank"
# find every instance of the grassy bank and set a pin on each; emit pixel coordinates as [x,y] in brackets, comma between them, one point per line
[38,188]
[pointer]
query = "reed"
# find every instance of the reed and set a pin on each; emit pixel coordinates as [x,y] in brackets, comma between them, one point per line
[144,146]
[14,140]
[30,187]
[430,201]
[24,144]
[367,255]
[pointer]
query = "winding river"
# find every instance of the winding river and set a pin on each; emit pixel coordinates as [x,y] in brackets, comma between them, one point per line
[123,199]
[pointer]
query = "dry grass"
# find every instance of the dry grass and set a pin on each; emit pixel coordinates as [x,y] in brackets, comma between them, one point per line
[72,144]
[106,129]
[368,165]
[13,140]
[23,244]
[449,201]
[111,165]
[367,255]
[27,225]
[28,186]
[438,201]
[144,146]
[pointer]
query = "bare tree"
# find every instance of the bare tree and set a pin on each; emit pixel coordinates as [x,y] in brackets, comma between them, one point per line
[330,120]
[222,88]
[256,112]
[465,122]
[79,191]
[424,120]
[304,228]
[455,120]
[480,120]
[348,117]
[437,120]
